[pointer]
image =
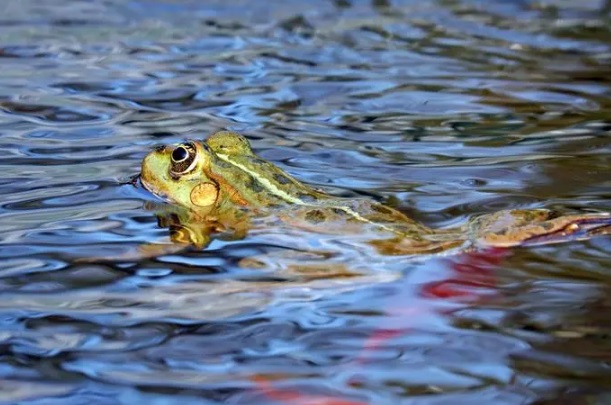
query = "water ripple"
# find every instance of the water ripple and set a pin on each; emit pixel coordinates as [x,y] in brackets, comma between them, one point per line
[441,109]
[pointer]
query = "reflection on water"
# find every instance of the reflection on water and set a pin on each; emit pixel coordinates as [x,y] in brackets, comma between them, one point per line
[443,109]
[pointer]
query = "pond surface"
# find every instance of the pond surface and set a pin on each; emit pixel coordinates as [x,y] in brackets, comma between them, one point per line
[444,109]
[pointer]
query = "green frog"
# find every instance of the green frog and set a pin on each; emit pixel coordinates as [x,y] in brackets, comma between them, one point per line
[221,188]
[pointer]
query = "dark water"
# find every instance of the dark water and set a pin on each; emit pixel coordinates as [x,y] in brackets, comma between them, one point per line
[444,109]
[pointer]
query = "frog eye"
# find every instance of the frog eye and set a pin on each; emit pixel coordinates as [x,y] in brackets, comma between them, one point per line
[180,154]
[183,158]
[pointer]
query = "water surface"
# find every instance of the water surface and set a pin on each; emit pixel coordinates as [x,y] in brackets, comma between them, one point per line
[444,109]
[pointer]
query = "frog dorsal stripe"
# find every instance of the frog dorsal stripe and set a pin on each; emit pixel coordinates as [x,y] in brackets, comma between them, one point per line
[265,182]
[271,187]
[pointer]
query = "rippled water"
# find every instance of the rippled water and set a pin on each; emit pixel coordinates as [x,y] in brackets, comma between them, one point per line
[444,109]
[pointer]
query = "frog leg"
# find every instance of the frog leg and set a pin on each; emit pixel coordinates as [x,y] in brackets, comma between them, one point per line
[536,227]
[181,237]
[186,230]
[401,246]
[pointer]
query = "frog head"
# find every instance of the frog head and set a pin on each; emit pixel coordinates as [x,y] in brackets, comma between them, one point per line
[178,173]
[219,172]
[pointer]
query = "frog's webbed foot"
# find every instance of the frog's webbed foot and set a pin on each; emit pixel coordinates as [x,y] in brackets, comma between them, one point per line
[181,238]
[536,227]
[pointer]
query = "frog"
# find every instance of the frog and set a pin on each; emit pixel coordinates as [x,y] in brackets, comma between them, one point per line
[220,188]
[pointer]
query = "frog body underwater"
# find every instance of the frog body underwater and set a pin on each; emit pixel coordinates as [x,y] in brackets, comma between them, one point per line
[221,184]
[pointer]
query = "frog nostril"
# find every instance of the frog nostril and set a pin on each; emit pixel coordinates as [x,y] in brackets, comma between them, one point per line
[159,148]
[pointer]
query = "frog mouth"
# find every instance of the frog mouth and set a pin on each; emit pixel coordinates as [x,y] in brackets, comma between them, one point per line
[150,188]
[137,180]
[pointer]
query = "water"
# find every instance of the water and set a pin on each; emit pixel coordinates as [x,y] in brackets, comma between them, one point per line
[444,109]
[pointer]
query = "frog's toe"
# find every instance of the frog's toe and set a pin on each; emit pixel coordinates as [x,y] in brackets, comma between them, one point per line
[543,231]
[574,227]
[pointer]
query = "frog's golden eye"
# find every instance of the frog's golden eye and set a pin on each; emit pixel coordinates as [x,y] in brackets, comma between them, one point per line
[183,158]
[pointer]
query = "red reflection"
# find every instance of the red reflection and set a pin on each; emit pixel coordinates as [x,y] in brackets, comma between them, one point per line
[474,276]
[472,280]
[298,398]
